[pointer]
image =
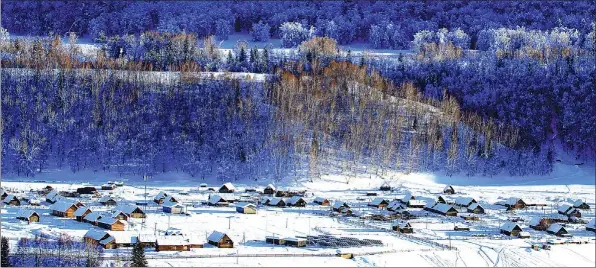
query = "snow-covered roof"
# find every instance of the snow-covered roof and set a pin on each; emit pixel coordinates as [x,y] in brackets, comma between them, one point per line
[123,237]
[442,207]
[524,234]
[578,203]
[564,208]
[294,239]
[195,239]
[106,198]
[110,221]
[127,208]
[216,199]
[25,213]
[591,224]
[393,203]
[431,204]
[96,234]
[270,186]
[94,216]
[107,240]
[406,197]
[216,236]
[117,213]
[171,240]
[464,200]
[170,204]
[509,226]
[512,201]
[80,211]
[417,202]
[377,201]
[402,224]
[535,221]
[52,194]
[320,199]
[339,204]
[228,185]
[173,231]
[294,200]
[9,198]
[448,187]
[62,205]
[555,227]
[245,204]
[461,225]
[474,206]
[146,238]
[160,195]
[275,201]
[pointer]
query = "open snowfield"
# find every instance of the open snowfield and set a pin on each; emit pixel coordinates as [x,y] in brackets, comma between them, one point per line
[481,246]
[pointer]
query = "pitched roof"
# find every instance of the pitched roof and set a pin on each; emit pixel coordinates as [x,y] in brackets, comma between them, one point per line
[171,240]
[216,199]
[406,197]
[62,205]
[512,200]
[245,204]
[464,200]
[339,204]
[535,221]
[555,227]
[25,213]
[402,224]
[94,216]
[591,224]
[474,206]
[127,208]
[431,204]
[106,198]
[443,207]
[448,187]
[110,221]
[146,238]
[564,208]
[509,226]
[169,203]
[52,194]
[228,185]
[123,237]
[417,202]
[96,234]
[320,199]
[81,210]
[294,200]
[377,201]
[578,203]
[216,236]
[275,201]
[270,186]
[9,198]
[160,195]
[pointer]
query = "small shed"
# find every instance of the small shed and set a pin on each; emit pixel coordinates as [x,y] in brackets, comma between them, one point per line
[557,229]
[402,227]
[220,240]
[591,226]
[132,211]
[28,215]
[173,208]
[64,208]
[444,209]
[124,238]
[270,189]
[448,190]
[510,228]
[12,199]
[579,204]
[81,212]
[378,203]
[476,208]
[385,187]
[227,187]
[295,242]
[171,243]
[276,240]
[276,202]
[216,200]
[246,208]
[159,198]
[107,200]
[112,224]
[465,201]
[338,205]
[296,201]
[322,201]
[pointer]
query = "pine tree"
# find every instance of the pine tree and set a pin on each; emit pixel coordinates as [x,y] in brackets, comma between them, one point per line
[138,256]
[5,252]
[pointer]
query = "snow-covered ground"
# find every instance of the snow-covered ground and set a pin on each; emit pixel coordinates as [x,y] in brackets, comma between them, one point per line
[481,246]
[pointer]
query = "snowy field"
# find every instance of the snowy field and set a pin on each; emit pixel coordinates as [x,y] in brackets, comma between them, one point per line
[483,245]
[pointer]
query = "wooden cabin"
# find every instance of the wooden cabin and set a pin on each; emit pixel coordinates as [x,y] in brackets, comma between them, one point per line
[12,199]
[276,240]
[94,236]
[28,215]
[112,224]
[218,201]
[465,201]
[515,203]
[539,223]
[172,243]
[246,208]
[339,205]
[120,215]
[93,217]
[569,211]
[406,198]
[52,196]
[448,190]
[557,229]
[402,227]
[441,199]
[296,201]
[523,235]
[159,198]
[147,240]
[270,189]
[581,205]
[132,211]
[510,228]
[295,242]
[469,216]
[227,188]
[220,240]
[81,212]
[64,209]
[322,201]
[475,208]
[378,203]
[395,205]
[107,200]
[276,202]
[3,193]
[173,208]
[445,210]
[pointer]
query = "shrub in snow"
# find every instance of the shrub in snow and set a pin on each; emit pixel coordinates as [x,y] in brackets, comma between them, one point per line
[260,32]
[293,34]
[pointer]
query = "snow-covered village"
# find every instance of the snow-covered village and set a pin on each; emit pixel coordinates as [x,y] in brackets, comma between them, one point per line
[298,133]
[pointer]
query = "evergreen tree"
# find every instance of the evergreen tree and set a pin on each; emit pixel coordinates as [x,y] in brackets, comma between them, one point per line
[138,256]
[5,252]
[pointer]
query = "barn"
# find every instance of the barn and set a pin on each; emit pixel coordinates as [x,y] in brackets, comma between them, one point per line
[476,208]
[448,190]
[171,243]
[173,208]
[295,242]
[246,208]
[322,201]
[216,200]
[112,224]
[108,200]
[81,212]
[28,215]
[539,223]
[220,240]
[510,228]
[591,226]
[64,208]
[557,229]
[465,201]
[378,203]
[276,202]
[296,201]
[12,199]
[579,204]
[444,209]
[132,211]
[402,227]
[227,188]
[339,205]
[270,189]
